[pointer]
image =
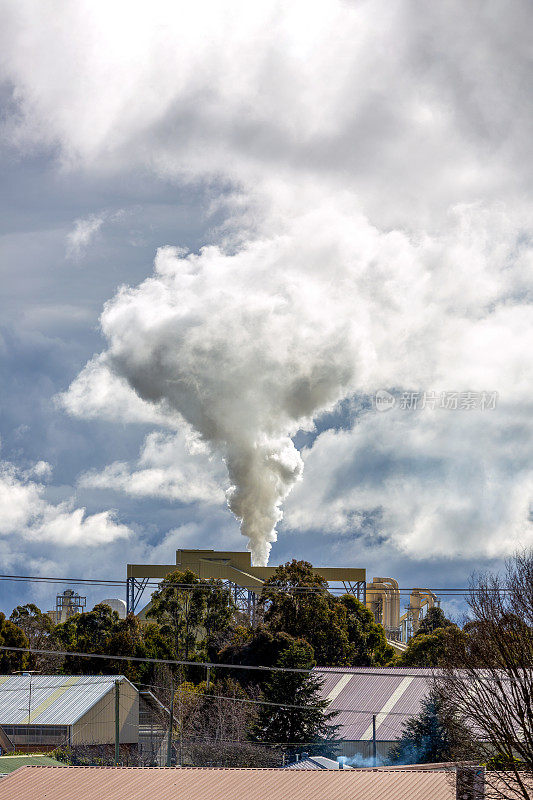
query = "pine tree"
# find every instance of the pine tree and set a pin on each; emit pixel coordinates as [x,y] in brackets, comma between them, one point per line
[435,736]
[308,727]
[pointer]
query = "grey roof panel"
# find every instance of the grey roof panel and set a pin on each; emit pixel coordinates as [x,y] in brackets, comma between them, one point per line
[360,692]
[55,699]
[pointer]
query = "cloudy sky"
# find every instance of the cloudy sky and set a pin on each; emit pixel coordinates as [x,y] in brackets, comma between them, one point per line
[225,227]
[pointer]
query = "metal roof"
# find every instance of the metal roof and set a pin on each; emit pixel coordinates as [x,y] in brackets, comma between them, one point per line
[360,692]
[55,699]
[315,762]
[130,783]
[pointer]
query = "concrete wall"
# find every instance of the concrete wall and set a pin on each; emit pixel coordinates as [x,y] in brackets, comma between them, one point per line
[97,726]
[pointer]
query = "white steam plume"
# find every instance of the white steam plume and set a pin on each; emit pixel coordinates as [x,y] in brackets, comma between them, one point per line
[249,346]
[214,337]
[395,110]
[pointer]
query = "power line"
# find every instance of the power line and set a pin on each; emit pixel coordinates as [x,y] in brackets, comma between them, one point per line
[281,705]
[117,583]
[49,579]
[36,688]
[211,664]
[423,672]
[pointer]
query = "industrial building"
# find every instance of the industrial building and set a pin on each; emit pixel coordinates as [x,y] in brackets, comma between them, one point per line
[41,712]
[383,599]
[368,699]
[68,603]
[115,604]
[381,596]
[234,568]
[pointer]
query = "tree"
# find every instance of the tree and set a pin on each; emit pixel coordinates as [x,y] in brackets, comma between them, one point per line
[129,638]
[12,636]
[435,618]
[212,727]
[87,633]
[256,647]
[155,646]
[37,628]
[435,735]
[368,640]
[218,621]
[341,631]
[191,612]
[432,649]
[497,700]
[102,631]
[309,724]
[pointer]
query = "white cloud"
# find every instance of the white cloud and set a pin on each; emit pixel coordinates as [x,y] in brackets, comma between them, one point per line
[85,229]
[42,470]
[98,393]
[24,512]
[404,105]
[433,484]
[380,154]
[168,468]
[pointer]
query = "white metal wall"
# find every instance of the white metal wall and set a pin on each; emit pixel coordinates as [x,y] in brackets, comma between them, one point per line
[97,726]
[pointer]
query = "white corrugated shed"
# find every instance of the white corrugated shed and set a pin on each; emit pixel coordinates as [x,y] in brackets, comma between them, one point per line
[55,699]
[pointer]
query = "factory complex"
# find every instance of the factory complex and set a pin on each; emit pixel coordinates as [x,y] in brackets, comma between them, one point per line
[381,596]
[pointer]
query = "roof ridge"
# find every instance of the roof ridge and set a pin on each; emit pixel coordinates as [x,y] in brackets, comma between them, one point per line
[230,769]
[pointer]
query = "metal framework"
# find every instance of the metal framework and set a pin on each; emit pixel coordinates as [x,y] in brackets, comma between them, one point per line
[71,602]
[134,591]
[236,571]
[357,588]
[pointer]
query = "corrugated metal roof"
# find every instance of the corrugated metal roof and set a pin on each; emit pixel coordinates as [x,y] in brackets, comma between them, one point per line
[305,763]
[127,783]
[315,762]
[55,699]
[360,692]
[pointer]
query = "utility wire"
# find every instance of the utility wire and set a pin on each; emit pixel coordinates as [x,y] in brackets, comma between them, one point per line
[117,582]
[201,695]
[183,663]
[176,662]
[284,705]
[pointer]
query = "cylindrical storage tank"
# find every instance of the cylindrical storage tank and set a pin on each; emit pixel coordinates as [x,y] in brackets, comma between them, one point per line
[116,605]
